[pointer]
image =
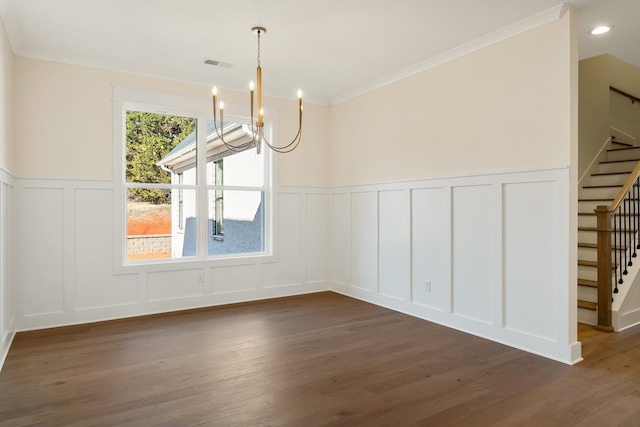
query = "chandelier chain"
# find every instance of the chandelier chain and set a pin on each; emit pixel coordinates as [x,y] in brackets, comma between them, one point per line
[258,48]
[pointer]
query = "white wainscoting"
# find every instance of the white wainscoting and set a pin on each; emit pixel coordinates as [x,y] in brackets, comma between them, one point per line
[64,259]
[7,314]
[488,255]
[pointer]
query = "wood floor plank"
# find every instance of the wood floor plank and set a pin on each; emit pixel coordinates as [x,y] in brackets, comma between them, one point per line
[313,360]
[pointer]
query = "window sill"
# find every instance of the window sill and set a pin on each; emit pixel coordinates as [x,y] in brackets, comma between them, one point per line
[176,264]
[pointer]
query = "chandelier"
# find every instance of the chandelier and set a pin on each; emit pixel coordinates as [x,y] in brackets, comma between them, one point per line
[257,131]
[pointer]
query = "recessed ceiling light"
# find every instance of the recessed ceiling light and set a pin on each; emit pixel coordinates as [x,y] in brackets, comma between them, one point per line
[601,30]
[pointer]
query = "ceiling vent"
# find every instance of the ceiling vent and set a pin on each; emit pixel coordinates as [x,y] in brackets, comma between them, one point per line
[217,63]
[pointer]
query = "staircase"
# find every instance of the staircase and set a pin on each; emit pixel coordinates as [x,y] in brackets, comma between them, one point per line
[602,188]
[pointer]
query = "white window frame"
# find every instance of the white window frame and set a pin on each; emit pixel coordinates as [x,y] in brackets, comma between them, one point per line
[133,99]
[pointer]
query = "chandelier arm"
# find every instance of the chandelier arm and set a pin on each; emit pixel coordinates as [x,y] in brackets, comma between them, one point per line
[296,140]
[286,148]
[237,148]
[283,150]
[220,133]
[240,147]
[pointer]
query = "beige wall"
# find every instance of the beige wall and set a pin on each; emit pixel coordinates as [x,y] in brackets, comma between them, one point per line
[502,108]
[601,108]
[63,118]
[6,89]
[593,129]
[625,116]
[506,107]
[624,76]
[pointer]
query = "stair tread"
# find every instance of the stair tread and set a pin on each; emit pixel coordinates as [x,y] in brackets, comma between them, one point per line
[605,202]
[595,246]
[625,144]
[587,304]
[605,162]
[586,263]
[596,229]
[629,147]
[610,173]
[594,214]
[604,186]
[590,283]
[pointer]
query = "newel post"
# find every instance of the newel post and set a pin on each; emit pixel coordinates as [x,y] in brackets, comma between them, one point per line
[605,295]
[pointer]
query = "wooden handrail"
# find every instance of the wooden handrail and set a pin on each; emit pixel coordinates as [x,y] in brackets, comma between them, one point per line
[633,99]
[626,188]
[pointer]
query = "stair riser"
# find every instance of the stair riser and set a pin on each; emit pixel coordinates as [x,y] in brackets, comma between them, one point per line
[588,317]
[609,179]
[588,254]
[587,220]
[588,237]
[591,254]
[591,237]
[587,293]
[591,273]
[587,273]
[600,193]
[625,154]
[617,167]
[590,221]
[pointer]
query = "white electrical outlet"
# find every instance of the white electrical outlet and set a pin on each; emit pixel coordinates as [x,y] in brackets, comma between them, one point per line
[427,285]
[200,276]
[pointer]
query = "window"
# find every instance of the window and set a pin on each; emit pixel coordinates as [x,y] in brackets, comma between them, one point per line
[185,196]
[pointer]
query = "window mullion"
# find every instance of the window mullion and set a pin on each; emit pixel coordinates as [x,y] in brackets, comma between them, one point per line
[201,209]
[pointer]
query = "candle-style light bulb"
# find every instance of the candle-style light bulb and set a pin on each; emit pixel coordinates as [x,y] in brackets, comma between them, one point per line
[251,85]
[214,91]
[299,94]
[221,105]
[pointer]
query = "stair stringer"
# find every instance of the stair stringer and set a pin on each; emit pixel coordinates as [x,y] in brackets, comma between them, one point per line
[625,309]
[585,179]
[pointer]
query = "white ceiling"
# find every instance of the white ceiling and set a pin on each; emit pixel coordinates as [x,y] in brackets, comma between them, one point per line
[327,47]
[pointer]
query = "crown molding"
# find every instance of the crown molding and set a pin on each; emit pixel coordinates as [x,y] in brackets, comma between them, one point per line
[497,36]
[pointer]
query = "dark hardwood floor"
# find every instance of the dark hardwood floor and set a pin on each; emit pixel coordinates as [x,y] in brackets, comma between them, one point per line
[321,359]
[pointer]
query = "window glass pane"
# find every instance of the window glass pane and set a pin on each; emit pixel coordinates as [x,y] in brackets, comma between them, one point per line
[158,147]
[166,229]
[230,168]
[236,222]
